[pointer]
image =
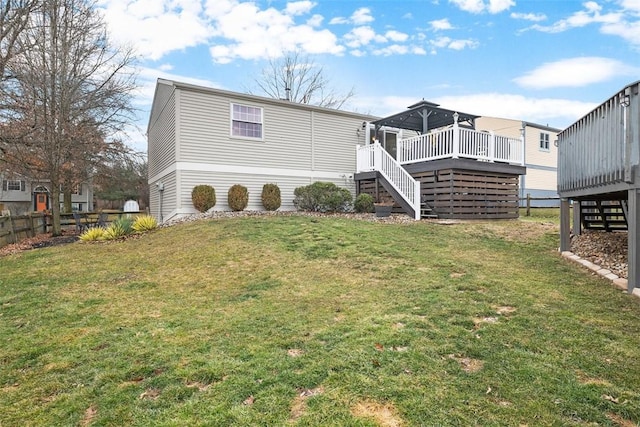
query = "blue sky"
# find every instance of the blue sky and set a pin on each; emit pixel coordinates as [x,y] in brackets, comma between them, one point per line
[543,61]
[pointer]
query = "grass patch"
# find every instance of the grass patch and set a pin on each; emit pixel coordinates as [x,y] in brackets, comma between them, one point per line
[316,321]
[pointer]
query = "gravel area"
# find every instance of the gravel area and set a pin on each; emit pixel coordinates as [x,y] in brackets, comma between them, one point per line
[608,250]
[392,219]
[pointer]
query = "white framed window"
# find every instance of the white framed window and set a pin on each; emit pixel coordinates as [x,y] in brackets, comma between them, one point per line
[246,121]
[13,185]
[544,141]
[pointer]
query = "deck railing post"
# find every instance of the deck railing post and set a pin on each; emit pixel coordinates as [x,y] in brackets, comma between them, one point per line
[377,156]
[492,146]
[456,137]
[416,200]
[522,146]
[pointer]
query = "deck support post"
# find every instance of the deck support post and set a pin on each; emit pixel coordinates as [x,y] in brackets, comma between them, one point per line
[577,218]
[633,254]
[565,238]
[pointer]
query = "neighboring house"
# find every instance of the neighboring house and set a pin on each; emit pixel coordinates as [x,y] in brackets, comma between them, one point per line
[540,156]
[199,135]
[19,195]
[599,172]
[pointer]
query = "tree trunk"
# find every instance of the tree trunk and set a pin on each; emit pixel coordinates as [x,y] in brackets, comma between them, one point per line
[56,228]
[67,199]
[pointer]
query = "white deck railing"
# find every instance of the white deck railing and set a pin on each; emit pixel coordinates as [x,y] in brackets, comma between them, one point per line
[459,142]
[373,157]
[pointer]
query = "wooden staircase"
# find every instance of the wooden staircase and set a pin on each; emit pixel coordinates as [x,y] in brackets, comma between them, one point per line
[427,212]
[605,215]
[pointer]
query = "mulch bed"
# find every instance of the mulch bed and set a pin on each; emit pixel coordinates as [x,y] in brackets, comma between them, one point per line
[39,241]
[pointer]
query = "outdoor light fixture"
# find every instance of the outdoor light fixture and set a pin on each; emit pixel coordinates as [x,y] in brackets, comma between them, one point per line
[625,100]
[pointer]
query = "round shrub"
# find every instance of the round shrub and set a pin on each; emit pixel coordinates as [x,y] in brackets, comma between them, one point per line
[363,203]
[322,197]
[203,197]
[238,197]
[271,199]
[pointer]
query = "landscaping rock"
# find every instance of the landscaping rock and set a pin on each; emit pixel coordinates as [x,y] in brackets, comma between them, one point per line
[607,250]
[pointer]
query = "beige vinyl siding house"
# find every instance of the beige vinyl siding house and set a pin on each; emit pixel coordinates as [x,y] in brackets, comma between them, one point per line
[540,156]
[200,135]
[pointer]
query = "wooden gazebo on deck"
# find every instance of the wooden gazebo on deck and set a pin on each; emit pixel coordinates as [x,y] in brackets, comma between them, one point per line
[598,171]
[438,164]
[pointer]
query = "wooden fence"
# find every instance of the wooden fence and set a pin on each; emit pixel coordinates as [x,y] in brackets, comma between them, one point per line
[14,229]
[530,199]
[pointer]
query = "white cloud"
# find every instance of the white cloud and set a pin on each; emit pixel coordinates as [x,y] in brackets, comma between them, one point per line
[362,16]
[396,36]
[449,43]
[166,67]
[362,36]
[339,20]
[533,17]
[552,111]
[574,72]
[394,49]
[497,6]
[315,20]
[631,5]
[590,15]
[441,24]
[246,32]
[155,28]
[480,6]
[299,7]
[463,44]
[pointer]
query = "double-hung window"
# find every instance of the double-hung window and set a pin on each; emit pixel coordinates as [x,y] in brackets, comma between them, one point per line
[13,185]
[544,141]
[246,121]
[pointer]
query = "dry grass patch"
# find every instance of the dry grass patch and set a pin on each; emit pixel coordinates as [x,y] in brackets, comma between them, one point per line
[89,415]
[299,405]
[468,364]
[621,422]
[295,352]
[384,415]
[505,310]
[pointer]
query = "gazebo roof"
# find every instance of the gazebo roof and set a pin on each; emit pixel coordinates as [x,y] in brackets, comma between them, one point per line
[414,117]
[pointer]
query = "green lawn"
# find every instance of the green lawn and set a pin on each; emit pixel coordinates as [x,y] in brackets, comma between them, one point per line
[278,321]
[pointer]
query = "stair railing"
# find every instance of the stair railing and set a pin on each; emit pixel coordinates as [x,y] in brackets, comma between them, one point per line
[375,158]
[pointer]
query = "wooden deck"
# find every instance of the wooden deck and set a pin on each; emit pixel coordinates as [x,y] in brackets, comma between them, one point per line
[599,161]
[458,188]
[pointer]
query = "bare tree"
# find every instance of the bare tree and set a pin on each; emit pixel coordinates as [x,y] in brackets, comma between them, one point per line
[298,79]
[70,91]
[14,18]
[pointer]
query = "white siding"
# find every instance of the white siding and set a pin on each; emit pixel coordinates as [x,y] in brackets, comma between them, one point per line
[222,181]
[301,144]
[169,205]
[161,149]
[205,134]
[335,140]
